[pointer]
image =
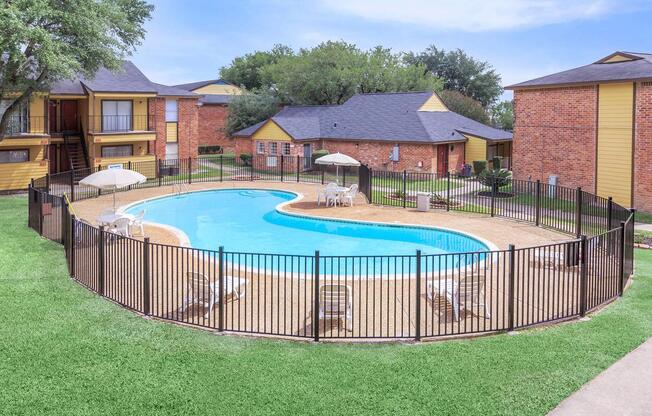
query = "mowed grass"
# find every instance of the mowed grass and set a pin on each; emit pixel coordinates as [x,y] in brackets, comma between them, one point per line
[64,350]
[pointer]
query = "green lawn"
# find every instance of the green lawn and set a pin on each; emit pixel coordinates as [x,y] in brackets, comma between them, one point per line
[63,350]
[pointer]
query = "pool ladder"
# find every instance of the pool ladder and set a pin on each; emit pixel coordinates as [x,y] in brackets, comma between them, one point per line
[180,188]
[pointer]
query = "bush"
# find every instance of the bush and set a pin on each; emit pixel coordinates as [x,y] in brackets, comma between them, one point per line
[479,166]
[497,162]
[246,158]
[495,178]
[210,150]
[319,153]
[398,194]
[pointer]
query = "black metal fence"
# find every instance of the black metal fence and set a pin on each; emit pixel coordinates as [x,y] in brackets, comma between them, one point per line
[317,296]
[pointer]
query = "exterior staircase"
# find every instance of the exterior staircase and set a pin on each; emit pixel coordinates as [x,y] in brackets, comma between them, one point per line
[77,156]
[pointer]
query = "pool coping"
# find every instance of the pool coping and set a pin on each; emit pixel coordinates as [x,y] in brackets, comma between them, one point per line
[184,240]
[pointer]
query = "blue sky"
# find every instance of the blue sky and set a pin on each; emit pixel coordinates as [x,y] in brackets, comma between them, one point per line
[190,41]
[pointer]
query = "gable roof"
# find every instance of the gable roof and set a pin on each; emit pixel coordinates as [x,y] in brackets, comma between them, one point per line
[216,99]
[198,84]
[391,117]
[638,66]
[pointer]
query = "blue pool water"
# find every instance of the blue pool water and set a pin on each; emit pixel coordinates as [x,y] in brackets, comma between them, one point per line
[246,220]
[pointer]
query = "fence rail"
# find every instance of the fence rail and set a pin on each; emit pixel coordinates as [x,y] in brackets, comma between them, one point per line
[317,296]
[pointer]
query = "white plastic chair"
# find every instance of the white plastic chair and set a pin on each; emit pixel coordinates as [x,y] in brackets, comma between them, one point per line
[462,294]
[202,292]
[137,223]
[350,195]
[335,302]
[323,192]
[121,227]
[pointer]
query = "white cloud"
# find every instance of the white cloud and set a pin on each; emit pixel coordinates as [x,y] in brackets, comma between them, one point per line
[479,15]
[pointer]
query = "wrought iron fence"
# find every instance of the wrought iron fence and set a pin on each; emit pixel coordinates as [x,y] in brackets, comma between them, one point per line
[317,296]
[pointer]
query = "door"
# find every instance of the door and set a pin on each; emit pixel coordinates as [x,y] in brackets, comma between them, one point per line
[307,155]
[442,160]
[68,115]
[116,115]
[52,116]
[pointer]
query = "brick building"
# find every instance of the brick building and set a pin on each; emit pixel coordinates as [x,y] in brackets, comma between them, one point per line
[411,131]
[591,127]
[213,111]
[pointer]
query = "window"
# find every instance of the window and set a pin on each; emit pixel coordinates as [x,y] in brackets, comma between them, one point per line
[286,149]
[116,115]
[171,110]
[260,148]
[19,119]
[171,151]
[117,151]
[14,156]
[273,148]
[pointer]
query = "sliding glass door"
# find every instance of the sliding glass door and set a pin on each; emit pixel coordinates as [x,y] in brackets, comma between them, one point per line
[116,115]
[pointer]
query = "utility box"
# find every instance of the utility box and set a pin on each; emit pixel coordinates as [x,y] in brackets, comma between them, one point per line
[423,201]
[552,186]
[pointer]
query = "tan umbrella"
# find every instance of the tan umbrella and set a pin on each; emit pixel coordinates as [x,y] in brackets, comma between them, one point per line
[112,180]
[337,159]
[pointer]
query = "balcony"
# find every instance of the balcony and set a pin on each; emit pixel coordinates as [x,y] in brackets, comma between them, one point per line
[27,126]
[110,124]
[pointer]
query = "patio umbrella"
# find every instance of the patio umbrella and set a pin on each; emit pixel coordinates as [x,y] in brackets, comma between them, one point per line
[113,179]
[337,159]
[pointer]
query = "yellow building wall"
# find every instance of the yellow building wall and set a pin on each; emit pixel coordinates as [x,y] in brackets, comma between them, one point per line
[476,149]
[434,103]
[144,164]
[138,107]
[14,176]
[614,153]
[171,131]
[618,58]
[219,89]
[272,132]
[37,119]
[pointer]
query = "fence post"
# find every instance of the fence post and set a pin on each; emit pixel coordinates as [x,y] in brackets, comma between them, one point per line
[578,211]
[404,188]
[343,175]
[633,212]
[129,167]
[621,255]
[537,203]
[417,336]
[40,213]
[298,163]
[158,171]
[512,277]
[47,182]
[282,167]
[448,191]
[322,175]
[315,310]
[493,199]
[146,277]
[370,185]
[583,275]
[253,162]
[220,276]
[72,186]
[100,261]
[73,239]
[221,168]
[610,212]
[189,170]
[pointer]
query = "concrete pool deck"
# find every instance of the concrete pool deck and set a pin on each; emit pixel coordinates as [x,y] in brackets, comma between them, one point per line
[501,232]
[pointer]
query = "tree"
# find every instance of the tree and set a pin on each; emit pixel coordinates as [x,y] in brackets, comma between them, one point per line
[460,72]
[502,115]
[250,108]
[245,70]
[43,41]
[466,106]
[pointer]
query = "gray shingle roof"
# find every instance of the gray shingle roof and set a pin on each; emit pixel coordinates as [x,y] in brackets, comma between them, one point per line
[213,99]
[640,68]
[198,84]
[173,91]
[380,117]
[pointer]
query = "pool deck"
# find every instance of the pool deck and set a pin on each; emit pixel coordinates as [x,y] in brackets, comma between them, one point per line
[500,232]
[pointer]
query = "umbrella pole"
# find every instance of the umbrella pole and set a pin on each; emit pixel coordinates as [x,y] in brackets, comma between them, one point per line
[337,174]
[114,191]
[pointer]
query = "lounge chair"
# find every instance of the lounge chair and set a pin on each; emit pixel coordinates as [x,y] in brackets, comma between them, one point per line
[324,192]
[465,293]
[335,302]
[121,227]
[555,260]
[350,195]
[201,291]
[137,223]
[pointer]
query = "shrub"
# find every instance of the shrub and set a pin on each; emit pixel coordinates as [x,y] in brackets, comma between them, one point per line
[246,158]
[398,194]
[497,162]
[495,178]
[210,150]
[318,153]
[479,166]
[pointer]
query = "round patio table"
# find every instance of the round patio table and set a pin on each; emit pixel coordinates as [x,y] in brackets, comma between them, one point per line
[110,218]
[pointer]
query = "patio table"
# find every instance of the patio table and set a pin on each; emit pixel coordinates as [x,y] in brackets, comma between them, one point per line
[110,218]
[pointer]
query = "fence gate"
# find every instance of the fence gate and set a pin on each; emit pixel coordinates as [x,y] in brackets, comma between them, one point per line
[364,181]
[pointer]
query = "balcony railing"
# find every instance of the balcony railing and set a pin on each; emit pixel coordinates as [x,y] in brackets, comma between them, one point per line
[26,126]
[121,124]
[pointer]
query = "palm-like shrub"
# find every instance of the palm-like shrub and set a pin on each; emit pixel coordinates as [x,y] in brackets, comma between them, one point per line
[495,178]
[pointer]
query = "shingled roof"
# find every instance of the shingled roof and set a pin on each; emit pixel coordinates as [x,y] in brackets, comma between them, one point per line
[391,117]
[638,67]
[198,84]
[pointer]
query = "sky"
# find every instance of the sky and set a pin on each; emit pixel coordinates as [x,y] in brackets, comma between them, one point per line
[522,39]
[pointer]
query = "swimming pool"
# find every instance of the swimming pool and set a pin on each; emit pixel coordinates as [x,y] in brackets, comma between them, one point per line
[246,220]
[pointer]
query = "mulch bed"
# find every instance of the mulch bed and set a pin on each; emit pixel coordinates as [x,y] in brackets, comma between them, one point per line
[488,194]
[433,203]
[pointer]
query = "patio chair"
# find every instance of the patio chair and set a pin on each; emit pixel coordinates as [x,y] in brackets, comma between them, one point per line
[555,260]
[335,303]
[323,192]
[201,291]
[137,223]
[350,195]
[465,293]
[121,227]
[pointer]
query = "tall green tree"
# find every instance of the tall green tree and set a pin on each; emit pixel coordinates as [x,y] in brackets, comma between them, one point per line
[466,106]
[502,115]
[460,72]
[246,70]
[42,41]
[250,108]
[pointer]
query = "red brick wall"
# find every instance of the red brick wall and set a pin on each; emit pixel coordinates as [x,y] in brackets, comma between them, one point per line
[555,134]
[412,157]
[643,148]
[212,122]
[188,127]
[157,112]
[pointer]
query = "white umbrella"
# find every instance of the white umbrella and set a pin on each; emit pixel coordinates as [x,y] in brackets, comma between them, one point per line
[113,179]
[337,159]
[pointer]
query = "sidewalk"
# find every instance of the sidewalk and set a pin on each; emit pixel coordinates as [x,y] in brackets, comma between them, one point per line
[625,388]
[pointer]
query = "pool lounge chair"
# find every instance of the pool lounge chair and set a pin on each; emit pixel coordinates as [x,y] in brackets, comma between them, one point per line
[335,304]
[465,293]
[201,291]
